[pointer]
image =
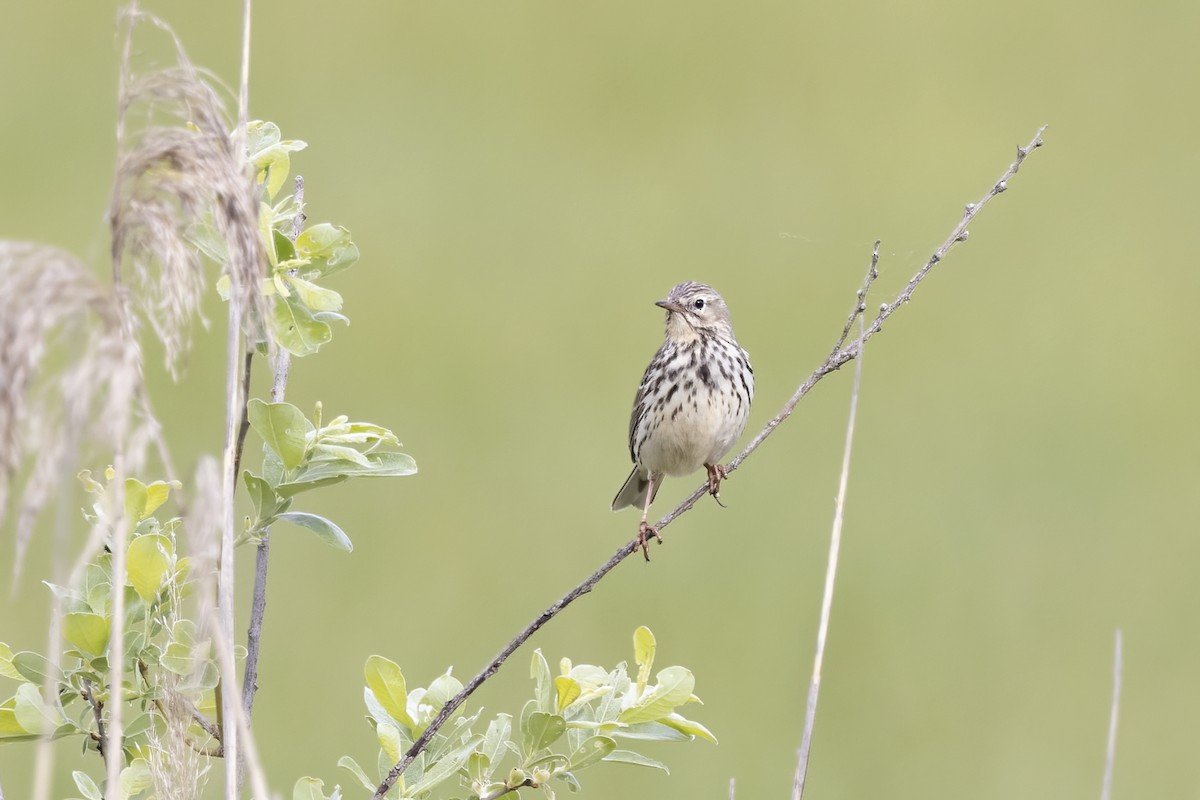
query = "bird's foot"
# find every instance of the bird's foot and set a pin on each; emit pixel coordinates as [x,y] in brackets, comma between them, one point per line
[716,474]
[645,531]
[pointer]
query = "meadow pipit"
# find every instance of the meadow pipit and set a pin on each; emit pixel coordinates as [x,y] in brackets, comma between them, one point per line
[692,403]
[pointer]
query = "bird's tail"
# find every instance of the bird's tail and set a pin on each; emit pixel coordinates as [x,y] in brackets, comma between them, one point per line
[633,493]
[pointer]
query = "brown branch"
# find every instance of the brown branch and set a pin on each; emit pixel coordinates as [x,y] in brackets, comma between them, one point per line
[258,605]
[97,709]
[838,357]
[244,426]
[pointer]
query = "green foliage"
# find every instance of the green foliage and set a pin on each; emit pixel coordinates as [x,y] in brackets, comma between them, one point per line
[301,310]
[161,657]
[169,673]
[299,455]
[573,721]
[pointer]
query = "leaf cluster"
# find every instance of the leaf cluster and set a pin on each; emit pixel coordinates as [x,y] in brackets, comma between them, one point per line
[301,454]
[166,663]
[300,308]
[583,716]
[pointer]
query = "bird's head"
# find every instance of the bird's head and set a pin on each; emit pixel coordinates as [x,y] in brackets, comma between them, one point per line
[693,308]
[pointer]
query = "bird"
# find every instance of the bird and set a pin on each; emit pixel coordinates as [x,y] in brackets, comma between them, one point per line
[692,403]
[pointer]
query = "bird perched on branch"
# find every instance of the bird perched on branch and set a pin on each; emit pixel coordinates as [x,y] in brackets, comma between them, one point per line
[692,403]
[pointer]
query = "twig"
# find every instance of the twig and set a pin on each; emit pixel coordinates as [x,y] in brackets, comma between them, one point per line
[244,425]
[835,545]
[98,711]
[258,607]
[1111,751]
[239,722]
[836,359]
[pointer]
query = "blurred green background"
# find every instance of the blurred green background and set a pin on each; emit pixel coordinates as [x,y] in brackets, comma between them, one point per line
[525,178]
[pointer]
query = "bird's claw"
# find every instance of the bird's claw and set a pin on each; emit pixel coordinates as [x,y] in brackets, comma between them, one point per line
[645,531]
[716,474]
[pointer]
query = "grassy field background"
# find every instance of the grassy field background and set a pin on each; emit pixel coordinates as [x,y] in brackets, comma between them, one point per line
[525,178]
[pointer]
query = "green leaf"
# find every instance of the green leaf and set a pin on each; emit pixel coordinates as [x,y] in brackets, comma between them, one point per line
[10,728]
[285,251]
[646,732]
[297,329]
[386,682]
[644,648]
[689,727]
[325,530]
[568,691]
[350,765]
[266,502]
[138,725]
[135,778]
[637,759]
[542,731]
[550,761]
[324,451]
[149,563]
[33,713]
[479,767]
[328,248]
[543,685]
[135,500]
[185,659]
[157,494]
[6,666]
[316,298]
[35,668]
[269,154]
[444,767]
[272,467]
[389,740]
[441,690]
[323,473]
[674,688]
[282,427]
[87,787]
[309,789]
[592,750]
[498,732]
[88,632]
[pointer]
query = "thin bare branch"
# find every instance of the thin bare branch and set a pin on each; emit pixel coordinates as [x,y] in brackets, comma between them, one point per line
[258,607]
[1110,753]
[837,358]
[244,425]
[98,713]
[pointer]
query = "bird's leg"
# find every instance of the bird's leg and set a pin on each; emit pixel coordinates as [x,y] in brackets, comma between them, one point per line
[646,530]
[716,474]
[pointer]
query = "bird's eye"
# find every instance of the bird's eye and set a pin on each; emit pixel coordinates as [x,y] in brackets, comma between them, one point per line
[699,304]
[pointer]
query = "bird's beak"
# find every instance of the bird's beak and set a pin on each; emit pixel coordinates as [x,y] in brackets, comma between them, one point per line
[669,306]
